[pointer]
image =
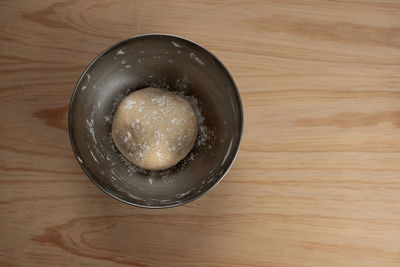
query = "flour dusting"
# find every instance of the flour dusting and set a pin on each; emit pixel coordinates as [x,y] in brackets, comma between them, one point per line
[120,52]
[175,44]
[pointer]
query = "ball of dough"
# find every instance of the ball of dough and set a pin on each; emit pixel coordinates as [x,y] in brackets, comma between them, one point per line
[154,128]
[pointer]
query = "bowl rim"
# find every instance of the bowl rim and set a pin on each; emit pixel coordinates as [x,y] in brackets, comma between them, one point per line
[87,170]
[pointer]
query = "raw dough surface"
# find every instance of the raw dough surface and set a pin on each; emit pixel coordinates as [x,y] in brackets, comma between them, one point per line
[154,128]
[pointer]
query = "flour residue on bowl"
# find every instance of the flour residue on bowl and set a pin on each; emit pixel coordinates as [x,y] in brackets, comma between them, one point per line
[198,60]
[90,127]
[175,44]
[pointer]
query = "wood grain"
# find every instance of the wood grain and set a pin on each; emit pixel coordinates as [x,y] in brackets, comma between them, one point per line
[317,179]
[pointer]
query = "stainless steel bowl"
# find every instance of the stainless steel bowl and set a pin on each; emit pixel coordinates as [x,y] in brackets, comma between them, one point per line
[165,61]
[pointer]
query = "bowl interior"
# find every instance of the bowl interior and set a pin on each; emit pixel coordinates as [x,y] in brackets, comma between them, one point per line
[167,62]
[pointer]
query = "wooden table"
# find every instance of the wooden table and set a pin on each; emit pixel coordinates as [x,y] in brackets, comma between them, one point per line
[317,178]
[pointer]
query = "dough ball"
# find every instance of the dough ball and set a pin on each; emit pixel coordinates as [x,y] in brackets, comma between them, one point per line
[154,128]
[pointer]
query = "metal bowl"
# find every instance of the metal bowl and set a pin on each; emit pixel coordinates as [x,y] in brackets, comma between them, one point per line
[172,63]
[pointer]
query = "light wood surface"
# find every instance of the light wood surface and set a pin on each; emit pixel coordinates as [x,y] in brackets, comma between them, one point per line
[317,178]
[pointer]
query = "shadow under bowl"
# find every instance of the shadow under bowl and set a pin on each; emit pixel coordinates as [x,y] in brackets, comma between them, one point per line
[172,63]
